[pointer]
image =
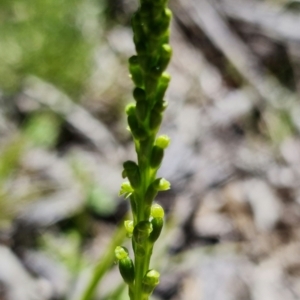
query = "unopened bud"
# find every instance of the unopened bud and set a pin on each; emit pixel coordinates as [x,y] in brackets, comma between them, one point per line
[157,211]
[130,109]
[126,190]
[160,106]
[159,184]
[156,157]
[142,231]
[150,194]
[165,56]
[135,71]
[126,268]
[121,252]
[129,226]
[150,281]
[162,86]
[157,225]
[164,23]
[139,94]
[137,131]
[155,120]
[162,184]
[133,173]
[163,141]
[141,110]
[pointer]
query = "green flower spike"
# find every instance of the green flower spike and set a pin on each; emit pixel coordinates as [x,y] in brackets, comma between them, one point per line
[151,33]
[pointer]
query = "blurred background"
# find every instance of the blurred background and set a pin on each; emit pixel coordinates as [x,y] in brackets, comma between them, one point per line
[233,214]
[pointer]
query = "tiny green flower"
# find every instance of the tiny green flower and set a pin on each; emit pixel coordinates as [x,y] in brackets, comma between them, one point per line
[163,185]
[121,252]
[150,281]
[126,190]
[157,211]
[163,141]
[129,226]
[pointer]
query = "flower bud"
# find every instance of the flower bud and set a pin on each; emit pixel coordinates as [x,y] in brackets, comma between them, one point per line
[130,109]
[142,231]
[156,157]
[155,120]
[141,110]
[157,225]
[126,268]
[141,48]
[160,106]
[150,281]
[162,184]
[159,184]
[157,211]
[133,173]
[139,94]
[126,189]
[162,26]
[129,226]
[121,252]
[163,141]
[136,71]
[162,86]
[150,194]
[137,131]
[165,56]
[151,84]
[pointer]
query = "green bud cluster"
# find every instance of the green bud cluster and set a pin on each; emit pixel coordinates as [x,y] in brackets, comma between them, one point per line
[147,68]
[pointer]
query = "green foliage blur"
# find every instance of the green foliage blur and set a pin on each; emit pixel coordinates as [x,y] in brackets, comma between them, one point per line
[47,39]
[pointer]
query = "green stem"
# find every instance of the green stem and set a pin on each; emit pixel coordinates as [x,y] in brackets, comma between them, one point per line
[142,262]
[104,263]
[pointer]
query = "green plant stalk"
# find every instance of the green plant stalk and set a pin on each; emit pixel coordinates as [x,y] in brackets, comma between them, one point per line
[151,37]
[104,264]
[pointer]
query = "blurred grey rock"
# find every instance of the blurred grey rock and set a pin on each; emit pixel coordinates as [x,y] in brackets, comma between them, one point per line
[55,273]
[210,221]
[265,204]
[290,150]
[278,276]
[222,278]
[64,201]
[213,225]
[17,282]
[270,283]
[253,157]
[283,177]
